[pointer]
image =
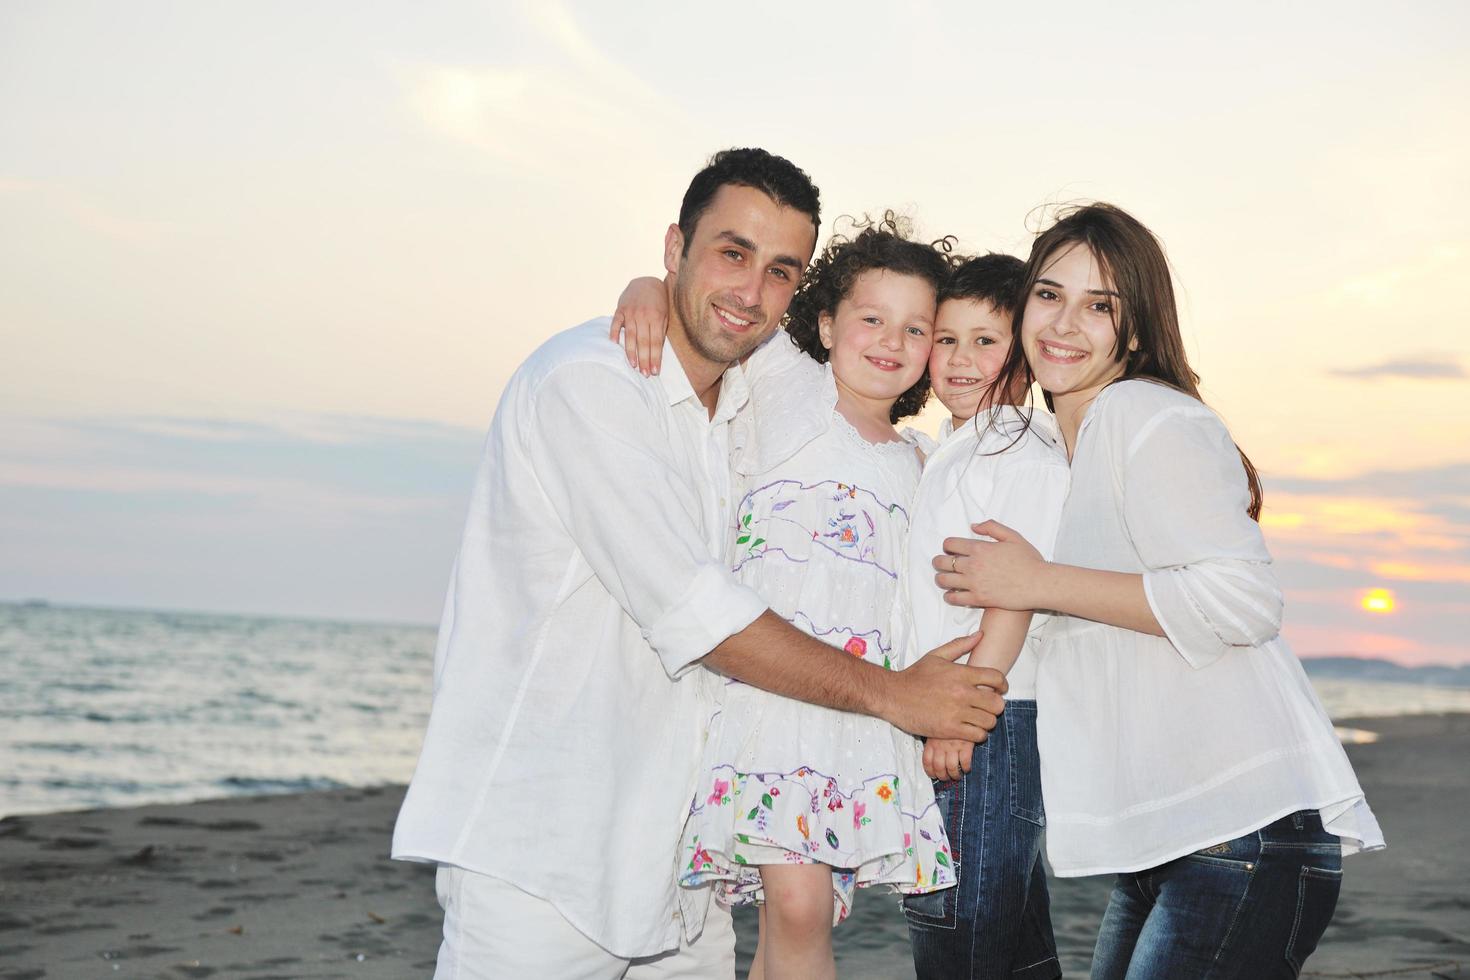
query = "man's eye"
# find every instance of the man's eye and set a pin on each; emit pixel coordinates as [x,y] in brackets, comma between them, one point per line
[733,255]
[781,274]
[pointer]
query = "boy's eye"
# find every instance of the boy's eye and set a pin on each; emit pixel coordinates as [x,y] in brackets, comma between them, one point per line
[917,331]
[873,320]
[943,340]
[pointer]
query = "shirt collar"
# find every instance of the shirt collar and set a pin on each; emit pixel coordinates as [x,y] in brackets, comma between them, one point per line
[734,392]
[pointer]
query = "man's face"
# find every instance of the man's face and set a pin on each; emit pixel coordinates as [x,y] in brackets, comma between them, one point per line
[734,278]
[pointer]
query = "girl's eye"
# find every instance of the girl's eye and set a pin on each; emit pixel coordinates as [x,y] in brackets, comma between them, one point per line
[916,331]
[944,340]
[1044,293]
[986,341]
[1103,306]
[872,320]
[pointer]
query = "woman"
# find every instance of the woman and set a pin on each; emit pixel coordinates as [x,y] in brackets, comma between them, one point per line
[1181,745]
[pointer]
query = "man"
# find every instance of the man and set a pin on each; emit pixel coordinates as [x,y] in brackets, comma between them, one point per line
[568,709]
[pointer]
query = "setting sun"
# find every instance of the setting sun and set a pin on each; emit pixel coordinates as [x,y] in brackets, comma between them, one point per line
[1378,601]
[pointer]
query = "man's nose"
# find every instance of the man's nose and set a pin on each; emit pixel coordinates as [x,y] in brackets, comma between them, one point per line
[747,288]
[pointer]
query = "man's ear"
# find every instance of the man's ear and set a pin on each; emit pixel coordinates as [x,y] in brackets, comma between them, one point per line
[824,329]
[673,249]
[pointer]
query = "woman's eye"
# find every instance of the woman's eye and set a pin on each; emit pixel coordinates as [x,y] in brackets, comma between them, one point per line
[1046,294]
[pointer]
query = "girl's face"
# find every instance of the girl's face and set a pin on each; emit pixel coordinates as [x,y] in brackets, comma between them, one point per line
[1067,329]
[880,334]
[971,341]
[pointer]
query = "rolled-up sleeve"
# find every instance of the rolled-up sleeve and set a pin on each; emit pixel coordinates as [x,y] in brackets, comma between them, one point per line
[603,458]
[1209,580]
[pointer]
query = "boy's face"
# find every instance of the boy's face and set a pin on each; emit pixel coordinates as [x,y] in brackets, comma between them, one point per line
[971,341]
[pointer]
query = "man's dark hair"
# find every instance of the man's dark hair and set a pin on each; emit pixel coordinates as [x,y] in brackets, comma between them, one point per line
[776,177]
[995,279]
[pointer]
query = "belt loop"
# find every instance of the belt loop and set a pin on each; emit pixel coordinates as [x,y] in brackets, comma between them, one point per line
[1298,820]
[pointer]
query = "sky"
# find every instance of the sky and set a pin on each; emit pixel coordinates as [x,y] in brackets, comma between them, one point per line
[265,267]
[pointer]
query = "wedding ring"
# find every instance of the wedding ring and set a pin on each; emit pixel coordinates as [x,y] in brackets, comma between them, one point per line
[954,563]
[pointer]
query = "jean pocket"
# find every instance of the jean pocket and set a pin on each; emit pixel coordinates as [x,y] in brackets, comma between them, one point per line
[1316,899]
[1241,853]
[937,909]
[1024,762]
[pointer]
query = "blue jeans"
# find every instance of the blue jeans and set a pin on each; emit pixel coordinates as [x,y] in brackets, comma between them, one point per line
[997,921]
[1249,909]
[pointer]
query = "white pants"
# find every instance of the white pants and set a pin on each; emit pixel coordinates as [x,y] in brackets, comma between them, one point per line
[493,930]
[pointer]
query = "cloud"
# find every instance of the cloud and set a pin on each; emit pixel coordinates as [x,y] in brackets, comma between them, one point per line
[1442,368]
[570,105]
[334,516]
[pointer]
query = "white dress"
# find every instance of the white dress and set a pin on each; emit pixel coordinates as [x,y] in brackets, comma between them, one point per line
[819,534]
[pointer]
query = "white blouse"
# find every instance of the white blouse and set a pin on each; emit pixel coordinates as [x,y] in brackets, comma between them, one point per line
[1154,747]
[984,470]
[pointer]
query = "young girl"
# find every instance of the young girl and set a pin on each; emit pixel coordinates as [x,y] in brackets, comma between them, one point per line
[801,804]
[1181,745]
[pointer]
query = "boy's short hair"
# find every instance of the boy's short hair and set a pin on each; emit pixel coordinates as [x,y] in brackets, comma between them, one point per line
[995,278]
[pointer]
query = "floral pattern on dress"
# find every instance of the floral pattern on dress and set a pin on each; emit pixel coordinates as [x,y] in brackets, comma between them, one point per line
[790,783]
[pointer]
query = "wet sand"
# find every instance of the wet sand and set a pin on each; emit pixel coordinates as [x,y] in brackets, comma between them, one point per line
[300,886]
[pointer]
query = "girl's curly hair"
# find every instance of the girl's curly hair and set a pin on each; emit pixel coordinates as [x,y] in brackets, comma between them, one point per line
[876,244]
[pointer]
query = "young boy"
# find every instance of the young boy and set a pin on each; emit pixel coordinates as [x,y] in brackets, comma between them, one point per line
[988,464]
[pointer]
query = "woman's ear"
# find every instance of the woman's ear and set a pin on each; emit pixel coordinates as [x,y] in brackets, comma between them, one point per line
[824,329]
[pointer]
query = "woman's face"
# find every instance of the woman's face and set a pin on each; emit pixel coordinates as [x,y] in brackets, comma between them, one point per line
[1068,330]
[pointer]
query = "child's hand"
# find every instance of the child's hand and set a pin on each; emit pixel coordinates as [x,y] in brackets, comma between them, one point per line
[947,758]
[642,317]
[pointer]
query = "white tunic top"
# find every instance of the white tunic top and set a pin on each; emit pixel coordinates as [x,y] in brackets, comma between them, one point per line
[982,471]
[1154,747]
[565,732]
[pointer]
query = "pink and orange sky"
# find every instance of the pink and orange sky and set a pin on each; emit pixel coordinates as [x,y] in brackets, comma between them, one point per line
[265,267]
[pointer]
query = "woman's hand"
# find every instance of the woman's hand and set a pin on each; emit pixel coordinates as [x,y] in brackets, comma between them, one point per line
[642,318]
[1004,572]
[947,758]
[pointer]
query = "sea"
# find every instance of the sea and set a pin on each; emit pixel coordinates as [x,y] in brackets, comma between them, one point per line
[114,708]
[111,707]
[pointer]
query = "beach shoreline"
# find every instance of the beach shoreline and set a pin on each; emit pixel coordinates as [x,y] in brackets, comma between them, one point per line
[301,885]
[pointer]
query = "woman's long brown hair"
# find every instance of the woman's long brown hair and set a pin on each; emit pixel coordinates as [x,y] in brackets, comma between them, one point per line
[1132,261]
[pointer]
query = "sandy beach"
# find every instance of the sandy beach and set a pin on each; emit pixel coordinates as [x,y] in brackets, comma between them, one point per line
[300,886]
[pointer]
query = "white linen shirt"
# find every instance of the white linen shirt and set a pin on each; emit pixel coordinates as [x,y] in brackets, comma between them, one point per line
[984,470]
[567,724]
[1153,747]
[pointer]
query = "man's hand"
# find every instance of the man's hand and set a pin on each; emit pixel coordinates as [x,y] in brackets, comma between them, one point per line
[942,699]
[1000,573]
[947,758]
